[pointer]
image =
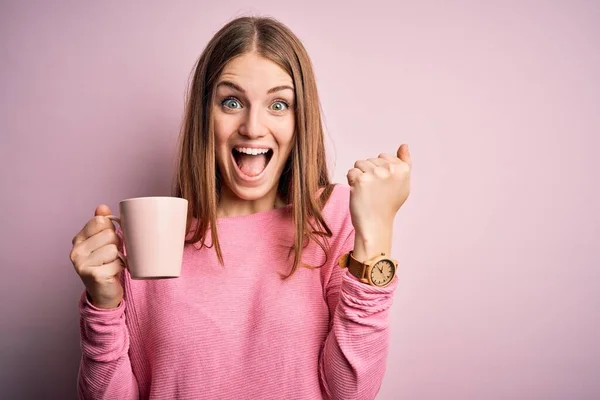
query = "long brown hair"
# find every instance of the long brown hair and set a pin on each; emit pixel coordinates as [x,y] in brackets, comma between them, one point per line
[198,179]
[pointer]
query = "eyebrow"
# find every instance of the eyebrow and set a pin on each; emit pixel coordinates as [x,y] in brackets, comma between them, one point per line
[241,90]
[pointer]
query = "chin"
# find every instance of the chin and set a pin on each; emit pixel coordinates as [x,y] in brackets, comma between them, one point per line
[251,194]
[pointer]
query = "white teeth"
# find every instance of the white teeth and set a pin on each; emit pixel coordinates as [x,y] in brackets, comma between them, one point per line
[254,152]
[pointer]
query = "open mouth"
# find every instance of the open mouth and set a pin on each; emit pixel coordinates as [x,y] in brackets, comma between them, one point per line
[252,161]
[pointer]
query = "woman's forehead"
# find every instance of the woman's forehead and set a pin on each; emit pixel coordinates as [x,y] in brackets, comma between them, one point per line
[253,72]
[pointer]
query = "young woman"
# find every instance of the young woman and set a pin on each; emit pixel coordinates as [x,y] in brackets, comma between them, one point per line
[287,279]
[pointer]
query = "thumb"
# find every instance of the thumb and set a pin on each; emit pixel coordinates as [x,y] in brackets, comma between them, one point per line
[404,154]
[102,210]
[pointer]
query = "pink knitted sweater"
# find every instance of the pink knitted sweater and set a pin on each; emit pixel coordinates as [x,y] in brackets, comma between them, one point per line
[239,331]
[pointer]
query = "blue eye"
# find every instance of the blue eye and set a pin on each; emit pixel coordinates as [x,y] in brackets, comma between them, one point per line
[279,105]
[231,103]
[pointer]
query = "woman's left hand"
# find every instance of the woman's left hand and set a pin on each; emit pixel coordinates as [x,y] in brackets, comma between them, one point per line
[378,188]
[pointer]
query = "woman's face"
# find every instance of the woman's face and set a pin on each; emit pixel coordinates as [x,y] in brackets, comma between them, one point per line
[254,123]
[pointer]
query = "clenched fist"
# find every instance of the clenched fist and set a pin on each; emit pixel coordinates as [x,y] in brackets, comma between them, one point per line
[378,188]
[95,257]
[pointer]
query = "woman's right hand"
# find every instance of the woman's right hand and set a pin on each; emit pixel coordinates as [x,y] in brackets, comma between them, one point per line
[96,261]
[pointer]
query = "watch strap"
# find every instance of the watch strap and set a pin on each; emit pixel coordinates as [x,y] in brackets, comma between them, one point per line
[355,267]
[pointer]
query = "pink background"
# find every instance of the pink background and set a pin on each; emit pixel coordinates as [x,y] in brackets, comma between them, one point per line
[500,102]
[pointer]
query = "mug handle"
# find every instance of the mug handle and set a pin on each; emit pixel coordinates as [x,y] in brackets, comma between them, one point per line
[119,254]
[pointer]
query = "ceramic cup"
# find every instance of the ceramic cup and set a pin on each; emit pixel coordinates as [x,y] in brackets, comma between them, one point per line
[153,235]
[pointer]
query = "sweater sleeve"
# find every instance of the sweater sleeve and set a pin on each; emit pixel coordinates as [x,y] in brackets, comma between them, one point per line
[105,370]
[354,356]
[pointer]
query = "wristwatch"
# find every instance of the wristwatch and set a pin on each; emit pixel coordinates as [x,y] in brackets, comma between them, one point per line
[378,271]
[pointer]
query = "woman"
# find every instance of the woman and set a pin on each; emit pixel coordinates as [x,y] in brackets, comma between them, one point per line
[264,307]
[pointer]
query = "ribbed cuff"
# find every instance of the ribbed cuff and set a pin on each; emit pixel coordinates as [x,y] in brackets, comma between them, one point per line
[104,334]
[361,300]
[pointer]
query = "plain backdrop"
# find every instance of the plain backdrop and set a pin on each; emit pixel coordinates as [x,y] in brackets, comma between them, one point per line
[498,244]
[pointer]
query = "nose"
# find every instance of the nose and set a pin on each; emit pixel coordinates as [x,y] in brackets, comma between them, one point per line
[253,126]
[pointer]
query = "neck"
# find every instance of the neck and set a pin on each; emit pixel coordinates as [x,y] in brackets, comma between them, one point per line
[231,205]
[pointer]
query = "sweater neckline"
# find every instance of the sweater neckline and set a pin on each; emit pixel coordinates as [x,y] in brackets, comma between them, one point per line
[258,216]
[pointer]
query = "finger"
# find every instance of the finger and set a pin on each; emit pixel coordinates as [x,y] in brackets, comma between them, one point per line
[92,227]
[100,239]
[103,272]
[102,209]
[365,165]
[390,158]
[404,154]
[353,175]
[378,162]
[104,255]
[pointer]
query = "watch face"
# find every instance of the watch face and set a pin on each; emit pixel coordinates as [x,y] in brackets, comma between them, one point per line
[382,272]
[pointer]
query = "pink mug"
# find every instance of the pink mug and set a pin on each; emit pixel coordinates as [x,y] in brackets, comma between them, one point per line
[154,230]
